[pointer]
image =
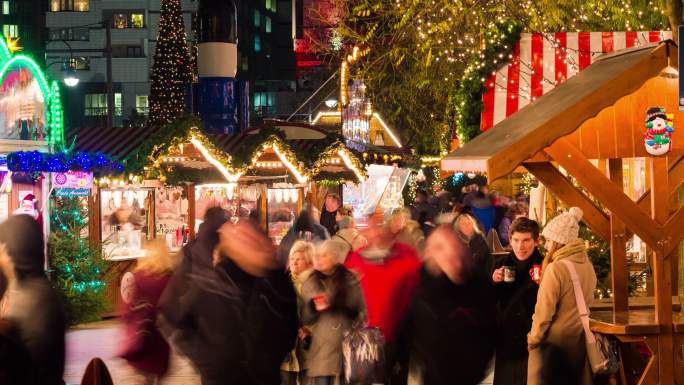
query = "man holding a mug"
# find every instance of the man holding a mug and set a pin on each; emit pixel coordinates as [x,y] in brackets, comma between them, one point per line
[517,278]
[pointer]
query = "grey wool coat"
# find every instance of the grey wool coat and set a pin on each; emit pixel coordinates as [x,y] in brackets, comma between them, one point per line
[347,309]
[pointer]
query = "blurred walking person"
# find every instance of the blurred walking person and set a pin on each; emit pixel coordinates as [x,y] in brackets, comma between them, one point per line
[144,347]
[301,267]
[556,320]
[406,230]
[329,215]
[389,273]
[467,227]
[516,279]
[236,321]
[449,330]
[305,228]
[349,234]
[30,303]
[333,304]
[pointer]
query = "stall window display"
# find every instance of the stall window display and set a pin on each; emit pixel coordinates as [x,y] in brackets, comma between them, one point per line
[22,106]
[171,214]
[283,205]
[382,189]
[215,195]
[125,222]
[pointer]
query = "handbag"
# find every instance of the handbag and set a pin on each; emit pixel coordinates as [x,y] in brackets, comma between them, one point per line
[363,356]
[601,351]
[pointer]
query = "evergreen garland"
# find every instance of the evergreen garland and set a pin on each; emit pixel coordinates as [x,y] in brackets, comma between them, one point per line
[466,105]
[171,69]
[76,265]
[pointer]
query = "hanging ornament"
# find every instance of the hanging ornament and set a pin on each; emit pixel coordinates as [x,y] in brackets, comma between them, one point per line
[659,129]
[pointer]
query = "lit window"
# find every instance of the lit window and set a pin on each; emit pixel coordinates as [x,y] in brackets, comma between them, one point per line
[69,5]
[6,7]
[273,5]
[268,4]
[268,24]
[257,18]
[10,30]
[96,104]
[141,104]
[137,20]
[120,21]
[257,43]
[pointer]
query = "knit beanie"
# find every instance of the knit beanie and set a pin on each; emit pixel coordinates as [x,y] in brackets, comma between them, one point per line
[23,238]
[564,228]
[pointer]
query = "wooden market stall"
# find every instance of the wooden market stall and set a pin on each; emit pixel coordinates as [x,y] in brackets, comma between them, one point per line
[179,171]
[575,140]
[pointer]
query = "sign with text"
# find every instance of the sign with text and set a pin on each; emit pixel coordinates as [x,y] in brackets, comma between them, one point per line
[72,180]
[72,192]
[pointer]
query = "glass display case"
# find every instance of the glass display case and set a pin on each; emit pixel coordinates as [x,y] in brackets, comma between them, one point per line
[381,190]
[282,207]
[171,216]
[222,195]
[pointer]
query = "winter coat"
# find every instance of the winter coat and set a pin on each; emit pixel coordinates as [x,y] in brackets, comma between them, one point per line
[485,213]
[449,329]
[481,253]
[515,306]
[294,362]
[319,234]
[37,312]
[144,348]
[413,236]
[504,227]
[422,213]
[234,327]
[329,221]
[351,238]
[346,308]
[388,282]
[556,320]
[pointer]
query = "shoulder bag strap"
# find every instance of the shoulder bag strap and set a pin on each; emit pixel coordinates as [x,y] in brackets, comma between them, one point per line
[581,304]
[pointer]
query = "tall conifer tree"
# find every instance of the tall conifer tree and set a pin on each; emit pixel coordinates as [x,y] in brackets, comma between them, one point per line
[171,69]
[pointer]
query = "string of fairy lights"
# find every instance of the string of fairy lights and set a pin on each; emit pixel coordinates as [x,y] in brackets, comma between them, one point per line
[171,68]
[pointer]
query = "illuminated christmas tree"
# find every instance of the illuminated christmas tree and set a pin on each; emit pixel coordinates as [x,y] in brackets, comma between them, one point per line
[76,264]
[171,69]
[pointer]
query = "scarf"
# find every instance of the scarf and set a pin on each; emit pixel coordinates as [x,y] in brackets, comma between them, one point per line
[571,249]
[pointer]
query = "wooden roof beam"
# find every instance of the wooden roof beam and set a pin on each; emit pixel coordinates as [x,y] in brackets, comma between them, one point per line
[573,160]
[549,175]
[674,231]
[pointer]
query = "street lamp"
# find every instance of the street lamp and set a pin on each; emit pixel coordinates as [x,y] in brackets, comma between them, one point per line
[70,78]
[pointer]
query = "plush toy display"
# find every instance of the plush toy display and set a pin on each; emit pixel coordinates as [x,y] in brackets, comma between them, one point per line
[658,136]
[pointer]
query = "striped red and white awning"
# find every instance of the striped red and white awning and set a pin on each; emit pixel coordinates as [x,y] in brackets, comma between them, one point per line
[539,62]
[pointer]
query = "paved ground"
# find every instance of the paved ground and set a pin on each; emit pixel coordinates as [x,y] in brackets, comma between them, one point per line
[100,340]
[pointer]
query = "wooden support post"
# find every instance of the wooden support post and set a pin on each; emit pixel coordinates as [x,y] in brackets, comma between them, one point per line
[618,255]
[192,212]
[94,221]
[662,272]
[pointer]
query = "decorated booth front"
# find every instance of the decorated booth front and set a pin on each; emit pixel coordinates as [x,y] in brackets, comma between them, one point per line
[30,121]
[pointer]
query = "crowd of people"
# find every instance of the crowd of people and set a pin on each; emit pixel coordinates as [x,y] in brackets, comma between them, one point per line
[245,311]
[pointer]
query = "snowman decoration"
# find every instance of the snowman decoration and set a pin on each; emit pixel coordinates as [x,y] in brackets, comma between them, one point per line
[658,136]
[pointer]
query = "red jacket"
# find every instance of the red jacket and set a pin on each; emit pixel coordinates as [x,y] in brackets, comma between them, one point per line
[388,287]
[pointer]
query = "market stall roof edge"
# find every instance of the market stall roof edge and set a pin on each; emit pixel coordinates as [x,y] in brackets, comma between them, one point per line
[499,150]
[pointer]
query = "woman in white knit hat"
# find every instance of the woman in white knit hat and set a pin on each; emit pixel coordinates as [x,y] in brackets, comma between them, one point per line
[556,321]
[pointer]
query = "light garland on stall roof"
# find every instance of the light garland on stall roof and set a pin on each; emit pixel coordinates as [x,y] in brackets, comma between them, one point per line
[348,162]
[231,177]
[300,176]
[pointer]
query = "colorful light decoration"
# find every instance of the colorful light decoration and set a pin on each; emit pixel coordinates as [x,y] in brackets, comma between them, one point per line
[51,94]
[348,162]
[35,161]
[300,176]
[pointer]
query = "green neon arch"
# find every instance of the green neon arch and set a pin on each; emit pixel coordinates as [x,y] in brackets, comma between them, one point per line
[51,95]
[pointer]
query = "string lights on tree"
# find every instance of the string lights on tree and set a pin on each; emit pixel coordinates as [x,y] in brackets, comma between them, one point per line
[171,68]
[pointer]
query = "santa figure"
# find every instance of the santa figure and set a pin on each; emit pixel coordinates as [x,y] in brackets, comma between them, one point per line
[28,207]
